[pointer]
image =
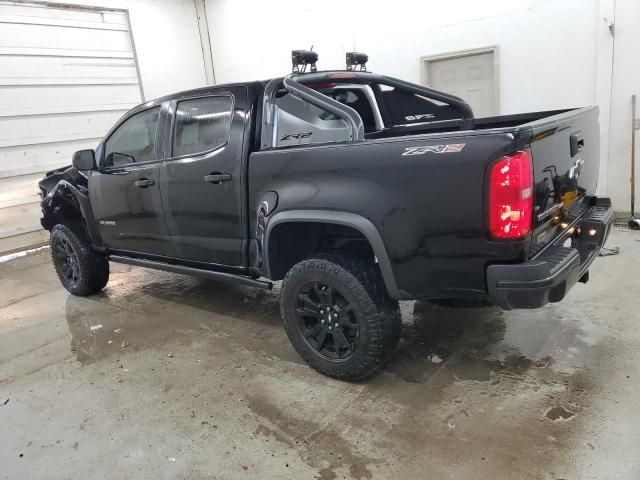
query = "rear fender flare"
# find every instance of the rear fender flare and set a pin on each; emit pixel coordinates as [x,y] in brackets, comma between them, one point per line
[358,222]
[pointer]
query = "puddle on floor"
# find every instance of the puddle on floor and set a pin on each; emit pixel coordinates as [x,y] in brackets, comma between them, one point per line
[559,413]
[142,308]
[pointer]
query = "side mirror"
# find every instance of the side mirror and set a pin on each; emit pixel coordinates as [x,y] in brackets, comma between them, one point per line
[84,160]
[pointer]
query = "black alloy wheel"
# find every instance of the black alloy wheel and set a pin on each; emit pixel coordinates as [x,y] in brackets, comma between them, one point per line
[81,270]
[327,321]
[66,260]
[338,315]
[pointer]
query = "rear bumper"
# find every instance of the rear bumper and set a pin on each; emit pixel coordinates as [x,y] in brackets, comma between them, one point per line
[551,274]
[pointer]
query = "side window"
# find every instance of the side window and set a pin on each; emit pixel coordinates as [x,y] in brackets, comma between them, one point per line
[134,140]
[297,122]
[202,124]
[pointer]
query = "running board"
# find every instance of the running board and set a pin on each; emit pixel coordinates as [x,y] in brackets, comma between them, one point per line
[197,272]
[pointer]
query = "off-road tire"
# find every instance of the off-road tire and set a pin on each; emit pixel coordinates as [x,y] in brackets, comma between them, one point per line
[91,269]
[359,281]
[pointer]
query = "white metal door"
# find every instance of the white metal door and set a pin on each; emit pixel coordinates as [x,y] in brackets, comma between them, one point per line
[470,77]
[66,75]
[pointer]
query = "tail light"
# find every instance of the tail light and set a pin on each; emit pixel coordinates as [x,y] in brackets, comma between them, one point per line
[511,196]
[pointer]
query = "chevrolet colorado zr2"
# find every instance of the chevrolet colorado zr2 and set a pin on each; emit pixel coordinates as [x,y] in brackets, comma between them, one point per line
[355,189]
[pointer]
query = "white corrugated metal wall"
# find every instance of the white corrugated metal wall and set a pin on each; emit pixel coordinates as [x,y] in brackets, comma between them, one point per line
[66,75]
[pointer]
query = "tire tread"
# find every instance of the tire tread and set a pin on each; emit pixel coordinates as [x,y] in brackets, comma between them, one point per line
[379,311]
[94,267]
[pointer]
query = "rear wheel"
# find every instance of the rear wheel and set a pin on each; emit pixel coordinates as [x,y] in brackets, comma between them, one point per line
[338,316]
[81,270]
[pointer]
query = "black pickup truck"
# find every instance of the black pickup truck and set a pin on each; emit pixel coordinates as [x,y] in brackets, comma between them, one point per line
[355,189]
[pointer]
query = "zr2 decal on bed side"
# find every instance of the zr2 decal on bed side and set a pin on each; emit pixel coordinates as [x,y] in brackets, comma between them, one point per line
[450,148]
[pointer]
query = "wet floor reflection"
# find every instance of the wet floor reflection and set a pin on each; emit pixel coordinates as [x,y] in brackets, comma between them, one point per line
[469,342]
[141,308]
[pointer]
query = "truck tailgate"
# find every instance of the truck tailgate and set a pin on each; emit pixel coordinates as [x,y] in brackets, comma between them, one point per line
[565,149]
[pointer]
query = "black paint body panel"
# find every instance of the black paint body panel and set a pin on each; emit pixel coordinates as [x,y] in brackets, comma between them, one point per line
[429,209]
[427,212]
[205,219]
[129,217]
[564,179]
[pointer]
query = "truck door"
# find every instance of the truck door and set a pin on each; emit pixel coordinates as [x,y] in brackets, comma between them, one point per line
[202,177]
[124,190]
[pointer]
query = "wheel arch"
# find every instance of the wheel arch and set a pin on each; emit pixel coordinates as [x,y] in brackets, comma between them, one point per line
[346,219]
[66,195]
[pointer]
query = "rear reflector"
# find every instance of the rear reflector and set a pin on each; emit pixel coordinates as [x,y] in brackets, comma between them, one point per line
[511,196]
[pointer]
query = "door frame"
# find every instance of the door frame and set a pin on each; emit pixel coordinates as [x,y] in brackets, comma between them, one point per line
[158,147]
[168,132]
[494,49]
[101,169]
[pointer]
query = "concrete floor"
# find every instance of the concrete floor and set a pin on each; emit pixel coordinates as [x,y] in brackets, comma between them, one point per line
[165,376]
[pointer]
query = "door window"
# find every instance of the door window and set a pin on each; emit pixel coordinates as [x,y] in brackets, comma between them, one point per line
[202,124]
[133,141]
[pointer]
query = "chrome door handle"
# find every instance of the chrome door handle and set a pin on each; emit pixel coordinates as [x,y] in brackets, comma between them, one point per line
[144,183]
[217,178]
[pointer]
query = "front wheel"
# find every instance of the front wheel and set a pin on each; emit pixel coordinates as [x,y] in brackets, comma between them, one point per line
[339,317]
[80,270]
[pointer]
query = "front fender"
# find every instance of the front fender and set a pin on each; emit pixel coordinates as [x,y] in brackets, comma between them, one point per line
[58,192]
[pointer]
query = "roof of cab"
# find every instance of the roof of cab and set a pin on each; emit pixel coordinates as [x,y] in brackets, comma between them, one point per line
[212,89]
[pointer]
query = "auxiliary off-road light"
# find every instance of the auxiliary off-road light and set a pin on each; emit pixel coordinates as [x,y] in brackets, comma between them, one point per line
[301,58]
[356,59]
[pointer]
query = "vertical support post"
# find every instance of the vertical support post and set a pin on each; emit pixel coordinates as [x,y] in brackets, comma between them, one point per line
[205,41]
[135,57]
[604,85]
[633,153]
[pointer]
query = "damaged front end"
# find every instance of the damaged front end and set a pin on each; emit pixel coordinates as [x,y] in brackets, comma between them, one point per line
[65,199]
[59,203]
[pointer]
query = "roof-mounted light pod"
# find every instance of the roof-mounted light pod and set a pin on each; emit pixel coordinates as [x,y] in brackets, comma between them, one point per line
[301,58]
[357,60]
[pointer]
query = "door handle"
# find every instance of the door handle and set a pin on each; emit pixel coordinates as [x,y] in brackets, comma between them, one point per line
[144,183]
[117,172]
[217,178]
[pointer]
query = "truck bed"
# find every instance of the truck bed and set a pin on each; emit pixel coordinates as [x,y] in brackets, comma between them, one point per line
[484,123]
[430,208]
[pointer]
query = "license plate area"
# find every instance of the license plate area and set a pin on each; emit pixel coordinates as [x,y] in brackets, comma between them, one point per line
[588,233]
